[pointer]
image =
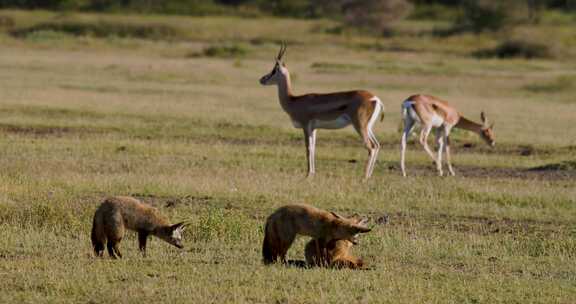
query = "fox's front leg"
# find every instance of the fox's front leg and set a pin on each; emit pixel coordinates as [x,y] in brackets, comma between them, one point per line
[320,252]
[142,237]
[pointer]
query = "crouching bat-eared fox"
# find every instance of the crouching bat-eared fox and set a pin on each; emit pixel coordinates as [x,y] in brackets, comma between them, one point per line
[118,213]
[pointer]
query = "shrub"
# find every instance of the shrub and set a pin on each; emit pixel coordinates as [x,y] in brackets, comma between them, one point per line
[558,85]
[223,51]
[517,49]
[6,22]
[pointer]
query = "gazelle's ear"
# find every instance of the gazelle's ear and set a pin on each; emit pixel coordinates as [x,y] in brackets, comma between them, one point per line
[492,125]
[483,118]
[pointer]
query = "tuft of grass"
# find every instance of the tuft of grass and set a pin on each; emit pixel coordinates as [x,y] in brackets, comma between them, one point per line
[223,51]
[334,66]
[558,85]
[217,224]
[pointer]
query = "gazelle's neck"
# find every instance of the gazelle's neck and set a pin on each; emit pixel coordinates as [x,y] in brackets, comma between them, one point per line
[284,89]
[466,124]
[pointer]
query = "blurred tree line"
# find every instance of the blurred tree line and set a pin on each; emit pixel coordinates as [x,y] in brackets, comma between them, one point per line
[375,15]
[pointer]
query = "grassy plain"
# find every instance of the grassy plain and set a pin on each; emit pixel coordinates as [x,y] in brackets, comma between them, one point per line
[197,136]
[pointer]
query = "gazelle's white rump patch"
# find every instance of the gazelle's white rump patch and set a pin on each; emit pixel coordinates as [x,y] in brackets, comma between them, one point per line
[408,110]
[379,107]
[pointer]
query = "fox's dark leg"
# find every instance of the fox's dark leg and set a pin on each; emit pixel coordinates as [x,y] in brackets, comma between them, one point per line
[99,249]
[114,248]
[110,246]
[98,245]
[284,246]
[117,249]
[142,237]
[321,252]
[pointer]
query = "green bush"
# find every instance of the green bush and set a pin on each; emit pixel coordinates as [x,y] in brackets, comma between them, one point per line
[517,49]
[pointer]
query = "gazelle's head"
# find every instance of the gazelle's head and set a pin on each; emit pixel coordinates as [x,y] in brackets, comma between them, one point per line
[278,71]
[487,132]
[171,234]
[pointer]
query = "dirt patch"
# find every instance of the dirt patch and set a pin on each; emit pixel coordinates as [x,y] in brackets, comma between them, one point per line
[491,172]
[44,131]
[472,224]
[561,166]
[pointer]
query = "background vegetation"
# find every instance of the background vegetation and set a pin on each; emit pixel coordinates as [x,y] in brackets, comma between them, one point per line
[169,109]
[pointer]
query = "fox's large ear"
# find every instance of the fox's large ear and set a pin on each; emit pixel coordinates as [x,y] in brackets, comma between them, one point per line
[362,221]
[179,226]
[361,229]
[355,217]
[336,215]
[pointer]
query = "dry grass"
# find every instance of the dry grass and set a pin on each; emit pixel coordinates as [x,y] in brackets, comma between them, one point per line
[82,118]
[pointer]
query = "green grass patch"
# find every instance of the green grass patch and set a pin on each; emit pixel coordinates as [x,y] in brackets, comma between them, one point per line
[102,29]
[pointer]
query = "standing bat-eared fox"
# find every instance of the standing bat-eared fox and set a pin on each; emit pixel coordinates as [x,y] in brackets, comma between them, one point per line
[118,213]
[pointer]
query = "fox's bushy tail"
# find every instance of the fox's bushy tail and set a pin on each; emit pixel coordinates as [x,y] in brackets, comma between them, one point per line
[97,244]
[268,256]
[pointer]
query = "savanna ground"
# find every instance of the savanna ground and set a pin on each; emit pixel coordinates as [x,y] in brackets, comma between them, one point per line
[185,128]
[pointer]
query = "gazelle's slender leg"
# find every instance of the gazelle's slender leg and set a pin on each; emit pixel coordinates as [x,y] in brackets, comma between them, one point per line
[424,141]
[373,152]
[374,144]
[447,149]
[370,139]
[408,125]
[310,138]
[440,143]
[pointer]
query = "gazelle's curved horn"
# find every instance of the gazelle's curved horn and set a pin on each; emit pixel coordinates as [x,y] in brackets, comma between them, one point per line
[282,51]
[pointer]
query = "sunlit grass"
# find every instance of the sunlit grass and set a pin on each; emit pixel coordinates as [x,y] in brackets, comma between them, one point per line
[82,118]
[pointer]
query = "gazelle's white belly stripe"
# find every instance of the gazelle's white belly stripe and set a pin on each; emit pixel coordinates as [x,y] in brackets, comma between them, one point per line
[340,122]
[436,121]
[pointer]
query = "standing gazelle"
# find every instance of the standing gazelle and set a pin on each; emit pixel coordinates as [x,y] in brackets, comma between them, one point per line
[432,112]
[327,111]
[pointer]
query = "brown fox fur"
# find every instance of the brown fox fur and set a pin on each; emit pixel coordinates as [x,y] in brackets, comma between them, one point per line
[118,213]
[335,254]
[286,222]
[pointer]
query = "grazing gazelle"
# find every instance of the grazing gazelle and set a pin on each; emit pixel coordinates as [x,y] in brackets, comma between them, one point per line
[327,111]
[432,112]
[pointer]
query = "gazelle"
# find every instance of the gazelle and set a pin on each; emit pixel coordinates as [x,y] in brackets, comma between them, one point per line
[327,111]
[432,112]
